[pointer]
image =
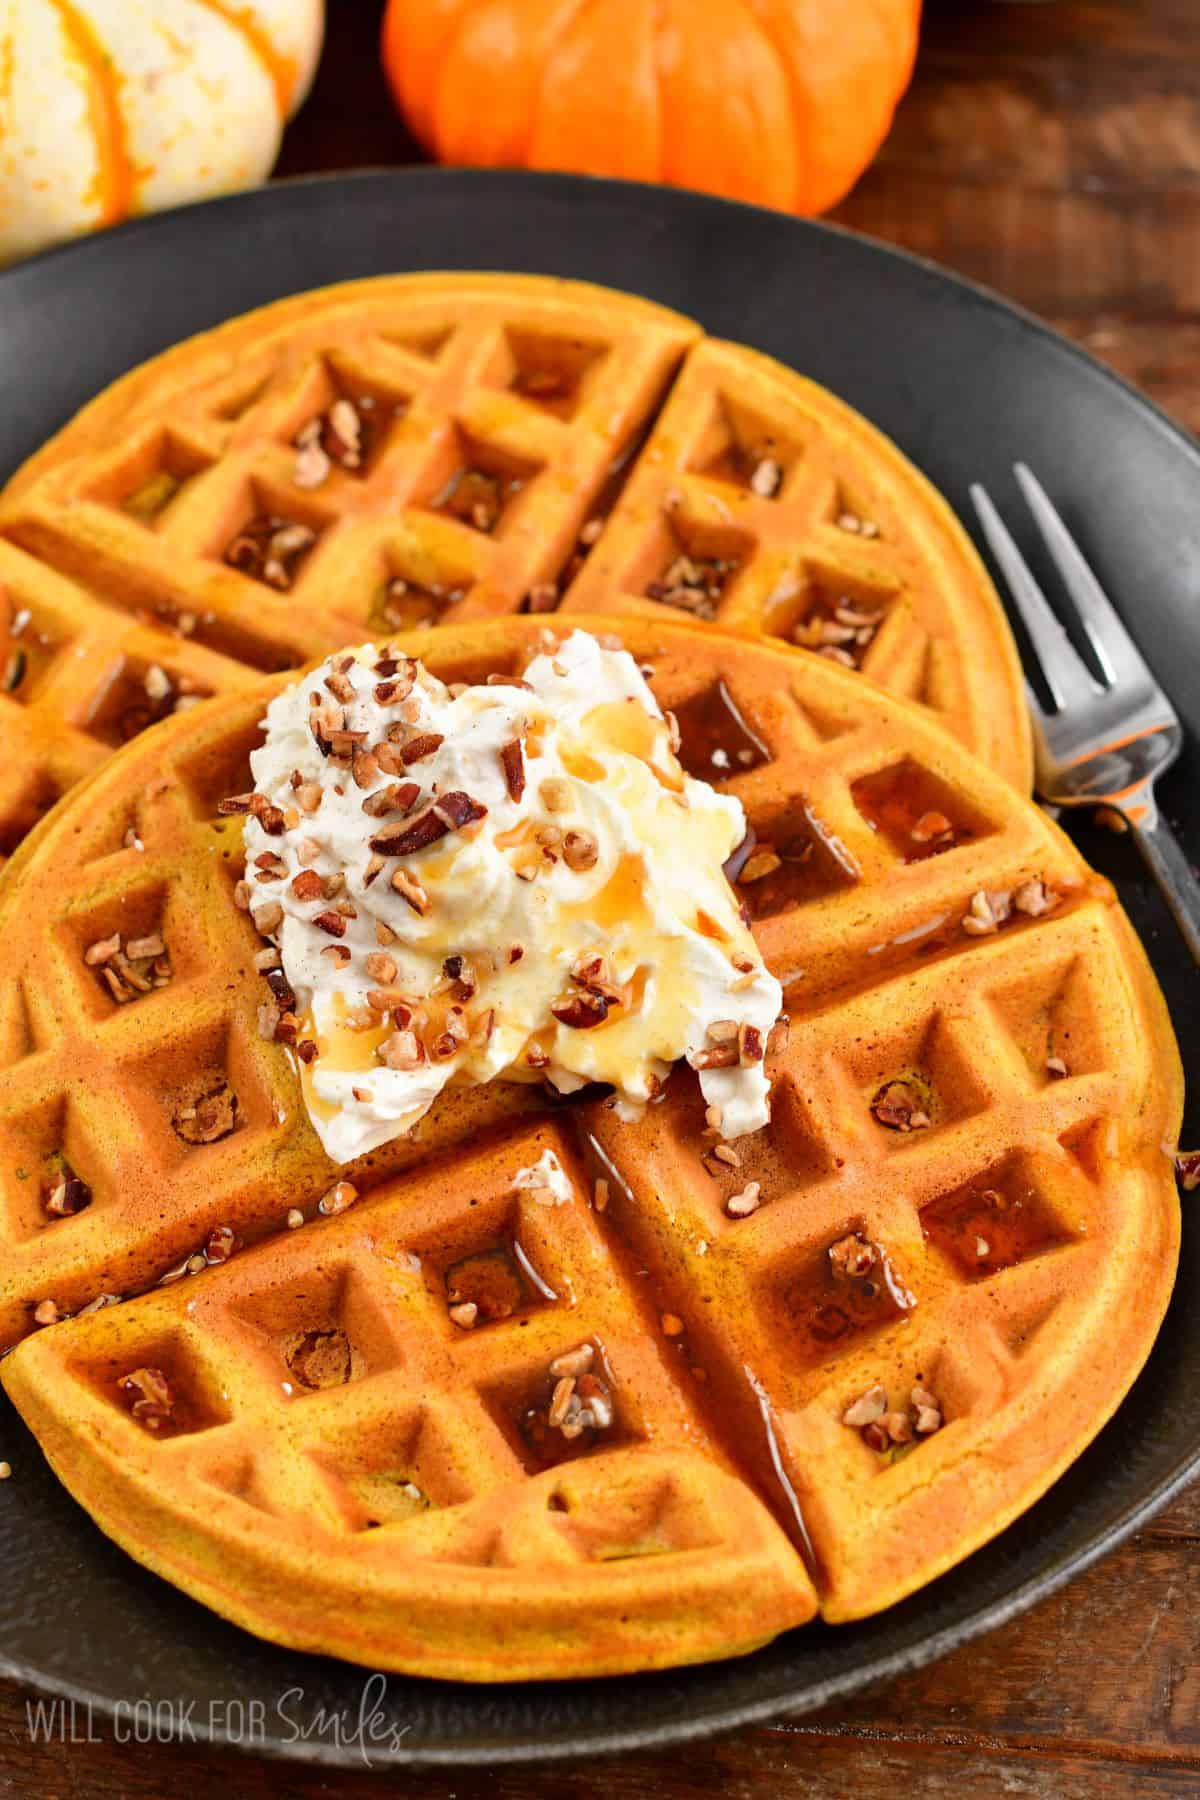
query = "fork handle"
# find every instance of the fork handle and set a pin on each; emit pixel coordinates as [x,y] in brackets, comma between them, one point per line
[1165,858]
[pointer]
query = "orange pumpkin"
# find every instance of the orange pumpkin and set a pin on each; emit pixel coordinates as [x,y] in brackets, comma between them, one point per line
[783,102]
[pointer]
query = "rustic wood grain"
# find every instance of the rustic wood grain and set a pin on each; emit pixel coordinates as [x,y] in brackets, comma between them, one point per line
[1052,152]
[1095,1693]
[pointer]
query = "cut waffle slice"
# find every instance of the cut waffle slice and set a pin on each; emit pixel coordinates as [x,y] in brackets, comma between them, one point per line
[765,504]
[960,1227]
[493,424]
[346,1470]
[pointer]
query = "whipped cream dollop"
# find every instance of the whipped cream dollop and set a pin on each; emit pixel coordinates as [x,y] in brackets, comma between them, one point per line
[514,879]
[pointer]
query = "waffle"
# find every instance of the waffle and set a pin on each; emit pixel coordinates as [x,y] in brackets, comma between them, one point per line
[829,1370]
[504,420]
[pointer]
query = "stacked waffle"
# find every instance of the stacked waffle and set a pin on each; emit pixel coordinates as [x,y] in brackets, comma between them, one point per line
[408,1411]
[433,449]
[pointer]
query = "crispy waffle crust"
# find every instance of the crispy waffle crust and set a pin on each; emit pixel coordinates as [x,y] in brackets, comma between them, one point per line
[527,397]
[344,1469]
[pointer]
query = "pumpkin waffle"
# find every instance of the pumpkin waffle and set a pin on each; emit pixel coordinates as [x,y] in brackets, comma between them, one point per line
[717,1387]
[493,427]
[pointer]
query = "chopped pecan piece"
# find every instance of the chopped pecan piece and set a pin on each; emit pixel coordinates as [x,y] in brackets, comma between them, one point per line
[458,810]
[220,1244]
[759,864]
[406,839]
[1033,898]
[419,747]
[555,794]
[512,764]
[741,1205]
[581,850]
[214,1116]
[308,885]
[150,1397]
[403,1050]
[364,768]
[714,1056]
[322,1359]
[400,797]
[410,890]
[933,827]
[311,466]
[461,977]
[269,816]
[64,1193]
[987,912]
[331,922]
[867,1409]
[574,1362]
[269,549]
[583,1010]
[342,744]
[145,949]
[766,478]
[853,1257]
[391,1000]
[897,1426]
[898,1106]
[281,989]
[1187,1167]
[341,1195]
[927,1409]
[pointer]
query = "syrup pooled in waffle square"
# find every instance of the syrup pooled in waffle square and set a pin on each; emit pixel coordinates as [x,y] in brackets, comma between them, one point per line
[845,1350]
[425,449]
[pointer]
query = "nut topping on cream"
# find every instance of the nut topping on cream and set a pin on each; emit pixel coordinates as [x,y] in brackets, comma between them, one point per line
[512,880]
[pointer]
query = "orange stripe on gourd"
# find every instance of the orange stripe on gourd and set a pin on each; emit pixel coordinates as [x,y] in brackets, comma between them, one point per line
[114,184]
[284,71]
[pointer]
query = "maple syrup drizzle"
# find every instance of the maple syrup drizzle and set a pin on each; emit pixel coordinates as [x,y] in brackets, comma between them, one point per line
[810,862]
[715,738]
[918,815]
[828,1310]
[991,1224]
[478,497]
[786,1497]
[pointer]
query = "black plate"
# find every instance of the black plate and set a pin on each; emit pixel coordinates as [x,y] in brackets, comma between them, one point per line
[965,385]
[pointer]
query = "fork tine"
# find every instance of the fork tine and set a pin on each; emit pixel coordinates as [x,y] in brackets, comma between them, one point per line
[1118,655]
[1066,676]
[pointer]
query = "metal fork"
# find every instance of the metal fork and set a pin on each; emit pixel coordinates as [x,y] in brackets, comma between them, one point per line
[1104,743]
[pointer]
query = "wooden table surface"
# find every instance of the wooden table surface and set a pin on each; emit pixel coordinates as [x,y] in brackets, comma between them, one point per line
[1052,152]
